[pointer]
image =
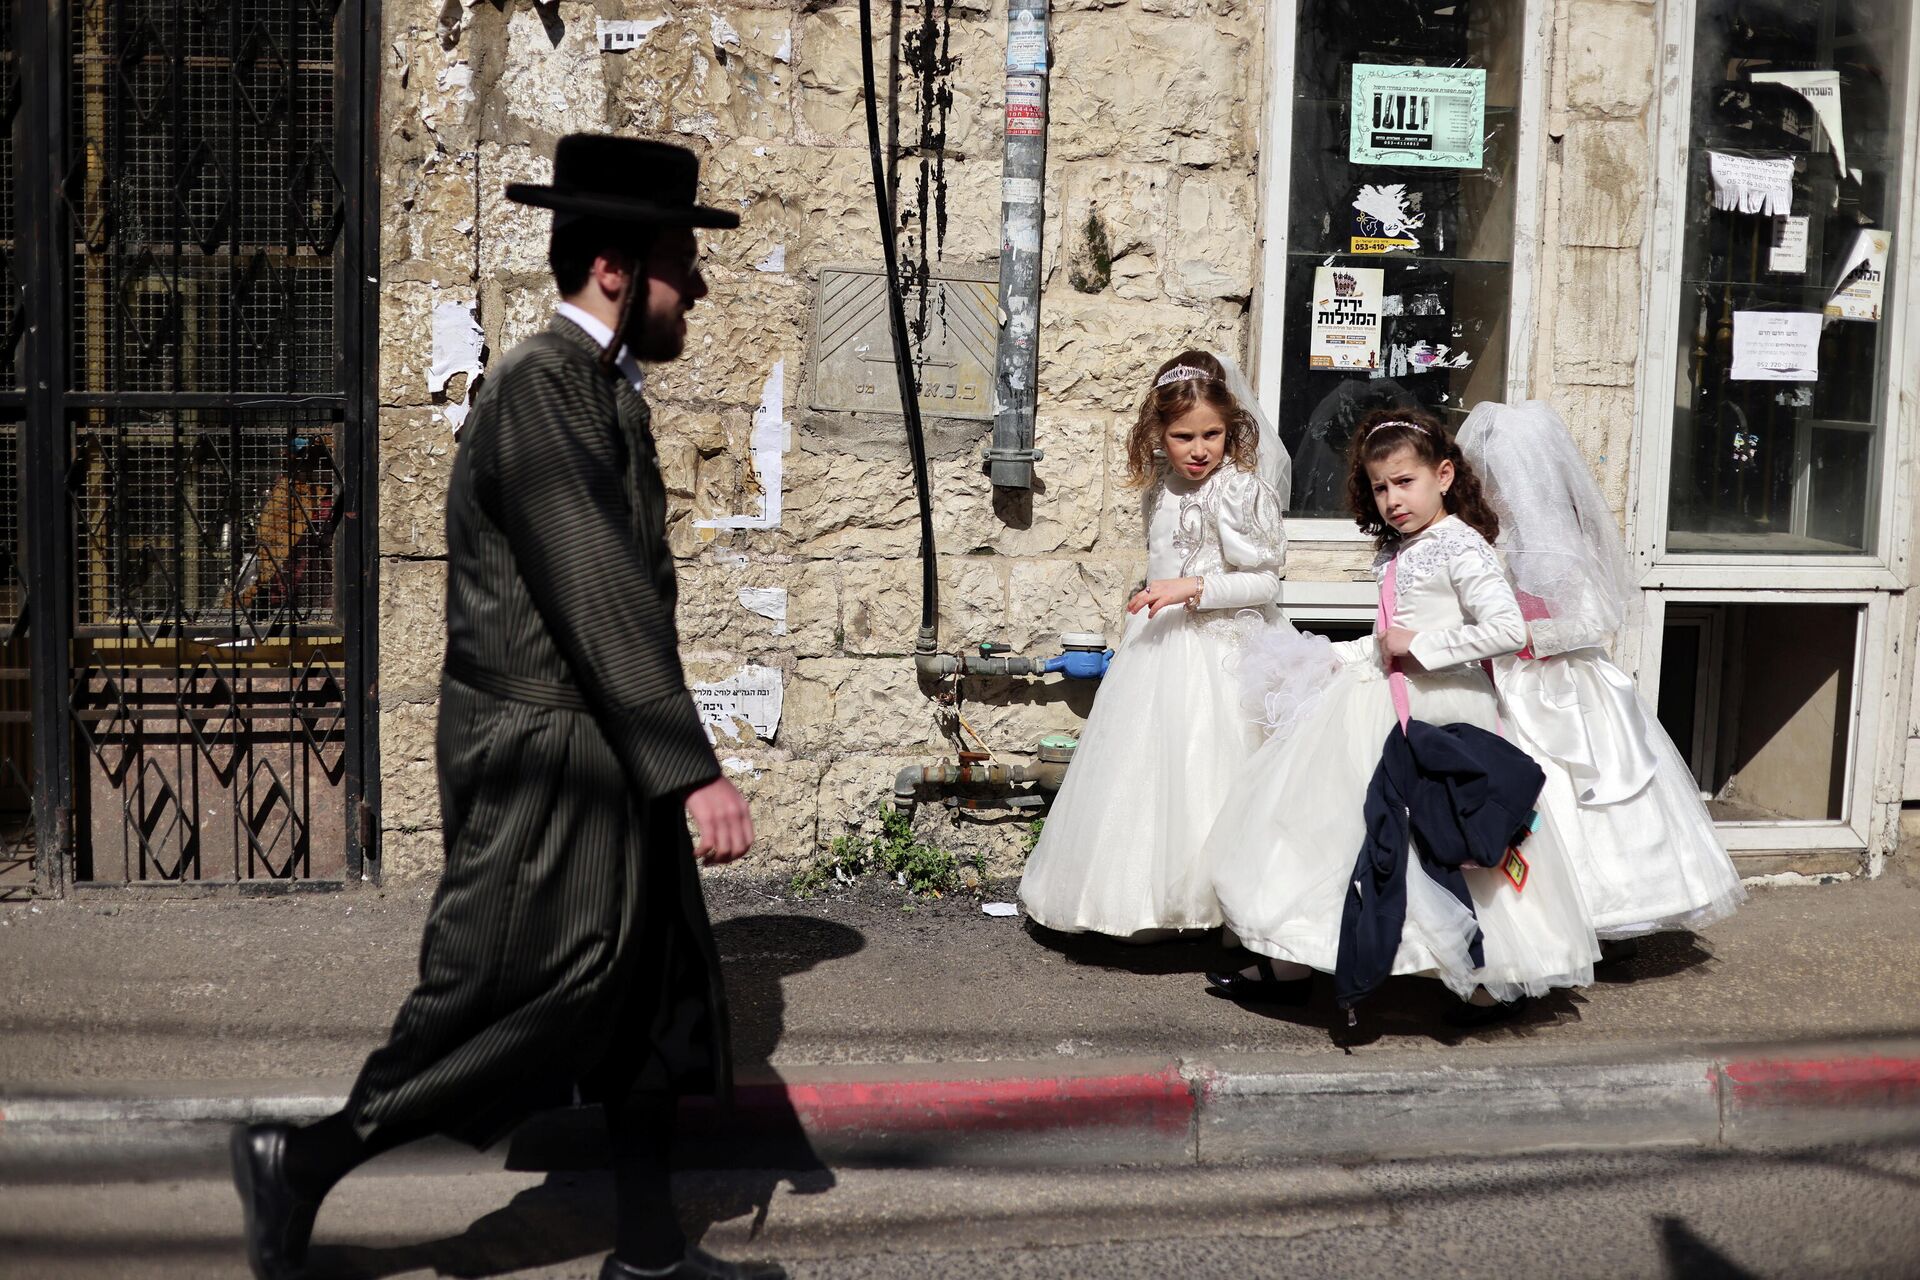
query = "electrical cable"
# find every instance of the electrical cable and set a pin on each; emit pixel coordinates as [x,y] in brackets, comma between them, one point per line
[897,322]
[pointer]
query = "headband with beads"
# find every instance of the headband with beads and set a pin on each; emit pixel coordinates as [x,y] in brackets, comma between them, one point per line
[1408,423]
[1180,373]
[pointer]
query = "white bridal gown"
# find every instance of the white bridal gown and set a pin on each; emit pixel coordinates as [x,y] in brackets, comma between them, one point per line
[1284,848]
[1641,841]
[1121,850]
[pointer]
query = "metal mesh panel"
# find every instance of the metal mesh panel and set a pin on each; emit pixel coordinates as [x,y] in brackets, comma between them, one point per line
[209,522]
[16,707]
[205,203]
[209,682]
[13,574]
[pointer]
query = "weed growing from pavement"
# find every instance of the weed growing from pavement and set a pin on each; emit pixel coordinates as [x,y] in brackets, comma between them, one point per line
[1032,841]
[922,869]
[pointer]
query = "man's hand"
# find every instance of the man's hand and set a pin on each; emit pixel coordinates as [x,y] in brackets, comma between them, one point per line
[1397,642]
[719,813]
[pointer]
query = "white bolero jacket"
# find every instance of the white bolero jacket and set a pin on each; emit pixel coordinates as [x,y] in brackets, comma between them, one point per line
[1450,589]
[1226,530]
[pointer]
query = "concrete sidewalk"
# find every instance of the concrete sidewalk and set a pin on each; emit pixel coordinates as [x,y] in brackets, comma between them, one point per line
[881,1035]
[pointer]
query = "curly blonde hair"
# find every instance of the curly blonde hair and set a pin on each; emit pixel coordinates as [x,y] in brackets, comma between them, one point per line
[1165,405]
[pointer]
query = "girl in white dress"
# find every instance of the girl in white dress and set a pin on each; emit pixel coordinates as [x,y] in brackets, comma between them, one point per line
[1120,852]
[1285,846]
[1646,854]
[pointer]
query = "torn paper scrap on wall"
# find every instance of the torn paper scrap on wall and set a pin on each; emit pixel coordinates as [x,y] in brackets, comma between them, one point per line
[771,434]
[1821,89]
[619,34]
[769,603]
[753,694]
[1743,184]
[458,345]
[775,261]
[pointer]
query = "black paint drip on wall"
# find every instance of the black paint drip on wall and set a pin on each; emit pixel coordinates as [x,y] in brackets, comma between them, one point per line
[928,52]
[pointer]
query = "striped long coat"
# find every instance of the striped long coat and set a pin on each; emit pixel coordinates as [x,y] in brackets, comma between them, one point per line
[568,943]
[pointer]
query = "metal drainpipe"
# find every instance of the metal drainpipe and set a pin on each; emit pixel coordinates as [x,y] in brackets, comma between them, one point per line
[1016,364]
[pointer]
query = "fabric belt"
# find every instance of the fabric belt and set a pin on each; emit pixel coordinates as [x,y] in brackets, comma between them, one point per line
[540,693]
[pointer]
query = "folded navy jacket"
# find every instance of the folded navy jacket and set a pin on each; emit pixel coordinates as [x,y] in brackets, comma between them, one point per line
[1457,795]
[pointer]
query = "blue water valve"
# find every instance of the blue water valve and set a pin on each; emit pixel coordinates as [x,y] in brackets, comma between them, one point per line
[1083,656]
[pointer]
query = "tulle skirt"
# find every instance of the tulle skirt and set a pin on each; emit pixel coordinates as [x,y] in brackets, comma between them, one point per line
[1649,859]
[1284,847]
[1120,852]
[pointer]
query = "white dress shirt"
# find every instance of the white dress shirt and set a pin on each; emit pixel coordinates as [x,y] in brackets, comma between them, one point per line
[603,334]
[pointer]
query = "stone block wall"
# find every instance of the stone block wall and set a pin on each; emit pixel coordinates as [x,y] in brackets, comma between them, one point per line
[1597,202]
[1155,110]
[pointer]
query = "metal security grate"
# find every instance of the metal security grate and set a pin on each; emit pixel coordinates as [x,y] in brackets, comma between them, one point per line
[13,309]
[215,387]
[205,202]
[205,522]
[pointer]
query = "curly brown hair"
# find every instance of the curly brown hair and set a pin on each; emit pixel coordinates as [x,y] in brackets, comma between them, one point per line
[1165,405]
[1385,431]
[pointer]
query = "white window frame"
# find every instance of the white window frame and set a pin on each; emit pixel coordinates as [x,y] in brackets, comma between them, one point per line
[1304,601]
[1886,568]
[1275,177]
[1865,706]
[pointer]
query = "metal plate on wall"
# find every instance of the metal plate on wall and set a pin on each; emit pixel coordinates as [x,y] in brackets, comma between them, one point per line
[853,366]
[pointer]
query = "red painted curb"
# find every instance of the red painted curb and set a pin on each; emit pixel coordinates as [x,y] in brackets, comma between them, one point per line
[1159,1101]
[1825,1081]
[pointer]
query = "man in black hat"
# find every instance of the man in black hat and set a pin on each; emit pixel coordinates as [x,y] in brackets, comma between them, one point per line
[568,951]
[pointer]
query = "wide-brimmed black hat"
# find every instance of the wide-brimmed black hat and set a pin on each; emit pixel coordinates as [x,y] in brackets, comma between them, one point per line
[597,175]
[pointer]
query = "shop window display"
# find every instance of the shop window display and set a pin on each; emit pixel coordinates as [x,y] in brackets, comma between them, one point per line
[1400,227]
[1793,176]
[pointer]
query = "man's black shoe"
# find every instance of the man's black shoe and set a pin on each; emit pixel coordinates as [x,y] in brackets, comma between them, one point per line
[697,1265]
[278,1221]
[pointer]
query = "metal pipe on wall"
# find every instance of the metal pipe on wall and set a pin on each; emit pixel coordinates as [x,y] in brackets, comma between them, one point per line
[1011,457]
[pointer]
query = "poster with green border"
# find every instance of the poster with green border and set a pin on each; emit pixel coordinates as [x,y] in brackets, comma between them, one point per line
[1418,117]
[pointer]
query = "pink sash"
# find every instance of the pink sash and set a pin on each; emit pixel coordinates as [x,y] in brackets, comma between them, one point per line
[1396,679]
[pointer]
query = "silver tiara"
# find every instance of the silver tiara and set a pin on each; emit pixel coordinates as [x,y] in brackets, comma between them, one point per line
[1180,373]
[1408,423]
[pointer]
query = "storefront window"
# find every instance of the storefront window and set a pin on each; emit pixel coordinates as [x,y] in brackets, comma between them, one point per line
[1759,699]
[1793,179]
[1400,227]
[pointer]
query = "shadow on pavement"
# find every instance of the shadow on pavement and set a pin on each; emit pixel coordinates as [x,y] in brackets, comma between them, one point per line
[761,1144]
[1195,951]
[1686,1254]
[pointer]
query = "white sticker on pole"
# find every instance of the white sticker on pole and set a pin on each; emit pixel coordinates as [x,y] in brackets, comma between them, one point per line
[1020,190]
[1026,106]
[1026,44]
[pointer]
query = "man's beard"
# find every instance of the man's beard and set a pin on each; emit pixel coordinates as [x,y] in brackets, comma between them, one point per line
[660,338]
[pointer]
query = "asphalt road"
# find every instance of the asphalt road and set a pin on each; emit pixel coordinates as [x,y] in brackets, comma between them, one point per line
[1852,1212]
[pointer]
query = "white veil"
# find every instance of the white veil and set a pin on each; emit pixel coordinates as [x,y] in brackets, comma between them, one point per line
[1274,464]
[1283,672]
[1559,538]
